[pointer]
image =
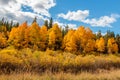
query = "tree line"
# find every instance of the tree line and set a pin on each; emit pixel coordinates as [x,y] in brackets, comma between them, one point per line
[52,36]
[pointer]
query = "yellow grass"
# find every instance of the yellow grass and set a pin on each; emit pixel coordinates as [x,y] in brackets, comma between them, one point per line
[25,60]
[104,75]
[55,61]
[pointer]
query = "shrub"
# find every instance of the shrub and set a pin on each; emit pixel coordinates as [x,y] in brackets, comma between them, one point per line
[54,61]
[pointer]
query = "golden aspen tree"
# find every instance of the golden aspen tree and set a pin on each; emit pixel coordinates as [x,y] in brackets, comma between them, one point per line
[112,46]
[33,35]
[90,46]
[80,38]
[71,46]
[66,39]
[100,44]
[3,41]
[12,36]
[88,40]
[17,36]
[69,41]
[27,36]
[52,39]
[55,37]
[89,34]
[44,37]
[21,34]
[83,35]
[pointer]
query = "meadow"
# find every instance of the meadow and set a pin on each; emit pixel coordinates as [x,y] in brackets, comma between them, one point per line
[26,64]
[26,60]
[102,75]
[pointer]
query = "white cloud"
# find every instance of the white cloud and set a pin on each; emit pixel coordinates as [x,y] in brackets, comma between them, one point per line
[72,26]
[39,6]
[76,16]
[12,9]
[102,21]
[82,16]
[62,25]
[103,34]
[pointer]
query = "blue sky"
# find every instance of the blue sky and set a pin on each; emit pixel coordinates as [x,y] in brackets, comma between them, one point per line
[96,9]
[97,14]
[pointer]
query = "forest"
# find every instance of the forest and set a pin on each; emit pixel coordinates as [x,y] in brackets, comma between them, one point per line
[54,37]
[51,48]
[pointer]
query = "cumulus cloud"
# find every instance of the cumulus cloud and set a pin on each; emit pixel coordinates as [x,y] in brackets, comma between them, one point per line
[82,16]
[39,6]
[102,21]
[62,25]
[75,15]
[12,9]
[72,26]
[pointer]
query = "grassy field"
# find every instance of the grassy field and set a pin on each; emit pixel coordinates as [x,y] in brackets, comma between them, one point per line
[12,60]
[101,75]
[26,64]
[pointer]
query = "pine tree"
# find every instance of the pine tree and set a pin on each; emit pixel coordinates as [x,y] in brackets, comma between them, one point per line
[34,20]
[46,24]
[98,35]
[50,23]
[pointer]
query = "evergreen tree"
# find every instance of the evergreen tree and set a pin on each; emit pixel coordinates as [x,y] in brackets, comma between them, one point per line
[98,35]
[50,23]
[66,29]
[34,20]
[46,23]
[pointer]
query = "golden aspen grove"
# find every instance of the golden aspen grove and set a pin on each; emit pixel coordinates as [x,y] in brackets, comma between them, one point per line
[51,49]
[59,40]
[40,48]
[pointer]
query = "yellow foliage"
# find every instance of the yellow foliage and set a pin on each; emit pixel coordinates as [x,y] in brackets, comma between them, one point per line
[100,44]
[17,36]
[79,40]
[33,36]
[55,37]
[112,46]
[69,41]
[3,41]
[55,60]
[44,38]
[90,46]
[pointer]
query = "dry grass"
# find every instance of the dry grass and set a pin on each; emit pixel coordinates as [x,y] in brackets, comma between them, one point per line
[12,60]
[104,75]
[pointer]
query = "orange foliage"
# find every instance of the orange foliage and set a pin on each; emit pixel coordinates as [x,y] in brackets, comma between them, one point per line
[100,44]
[112,46]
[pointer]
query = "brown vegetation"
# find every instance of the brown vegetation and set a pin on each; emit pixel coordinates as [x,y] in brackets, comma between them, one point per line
[13,60]
[105,75]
